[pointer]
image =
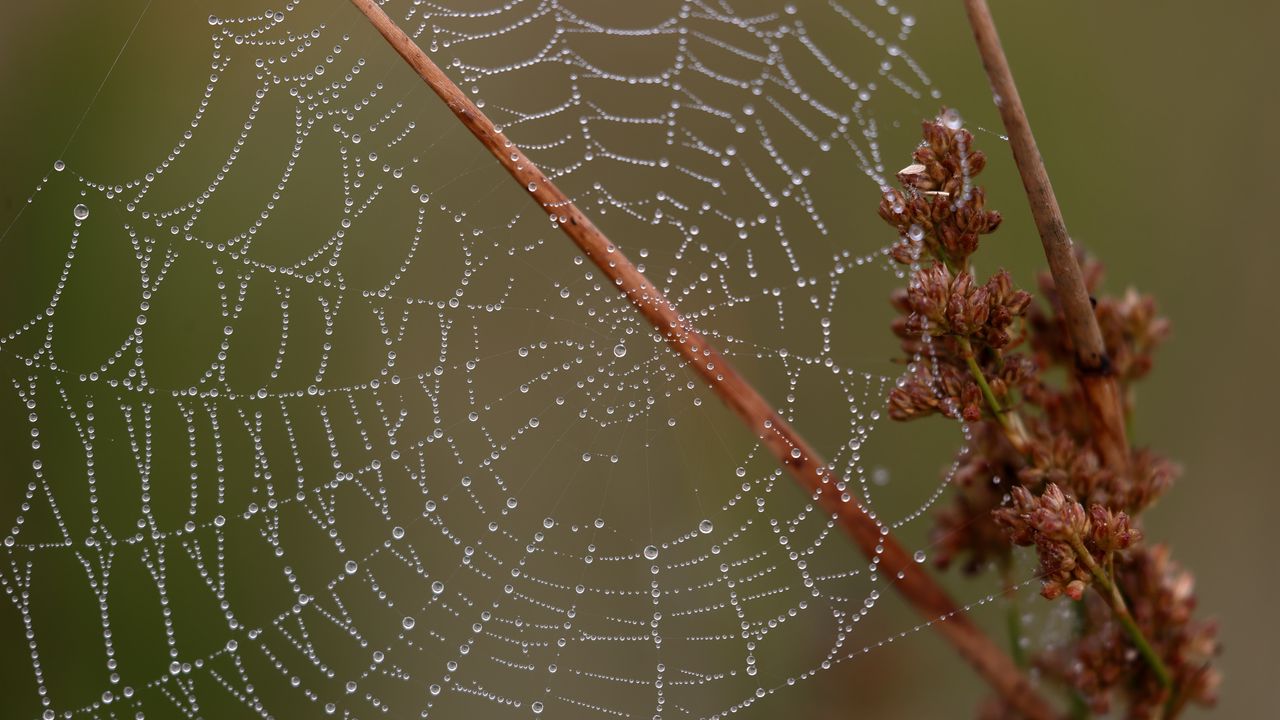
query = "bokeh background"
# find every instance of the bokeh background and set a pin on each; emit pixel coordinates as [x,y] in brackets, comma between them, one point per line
[1156,124]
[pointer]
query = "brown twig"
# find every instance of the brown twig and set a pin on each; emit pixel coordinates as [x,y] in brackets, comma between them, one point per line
[1093,368]
[921,590]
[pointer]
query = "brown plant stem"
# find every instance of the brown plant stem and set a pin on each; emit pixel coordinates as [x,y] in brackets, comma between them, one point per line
[1093,368]
[920,589]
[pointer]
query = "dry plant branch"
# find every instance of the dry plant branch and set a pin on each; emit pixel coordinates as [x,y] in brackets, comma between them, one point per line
[920,589]
[1093,367]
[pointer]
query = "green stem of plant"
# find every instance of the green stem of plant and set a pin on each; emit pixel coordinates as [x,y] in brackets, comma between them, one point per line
[1009,421]
[1078,707]
[1013,616]
[981,379]
[1111,592]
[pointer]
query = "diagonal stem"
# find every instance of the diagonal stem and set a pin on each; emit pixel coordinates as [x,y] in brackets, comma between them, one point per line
[1009,420]
[892,561]
[1093,368]
[1107,588]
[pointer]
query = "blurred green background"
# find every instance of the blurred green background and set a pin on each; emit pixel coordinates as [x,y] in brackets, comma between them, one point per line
[1155,122]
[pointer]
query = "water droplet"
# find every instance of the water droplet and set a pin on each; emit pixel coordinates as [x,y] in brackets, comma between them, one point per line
[705,527]
[920,556]
[619,350]
[80,211]
[407,623]
[650,552]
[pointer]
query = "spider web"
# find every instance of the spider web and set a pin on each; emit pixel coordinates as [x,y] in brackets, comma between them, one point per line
[310,413]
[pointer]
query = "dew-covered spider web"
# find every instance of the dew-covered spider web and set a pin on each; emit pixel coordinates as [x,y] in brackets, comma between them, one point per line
[308,411]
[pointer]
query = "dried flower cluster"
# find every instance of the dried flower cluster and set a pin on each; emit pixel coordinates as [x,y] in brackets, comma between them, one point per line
[1030,473]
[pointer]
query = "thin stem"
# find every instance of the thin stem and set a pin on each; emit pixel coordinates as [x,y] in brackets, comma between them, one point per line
[1013,615]
[1140,641]
[1078,708]
[1009,421]
[1093,367]
[920,589]
[980,377]
[1110,591]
